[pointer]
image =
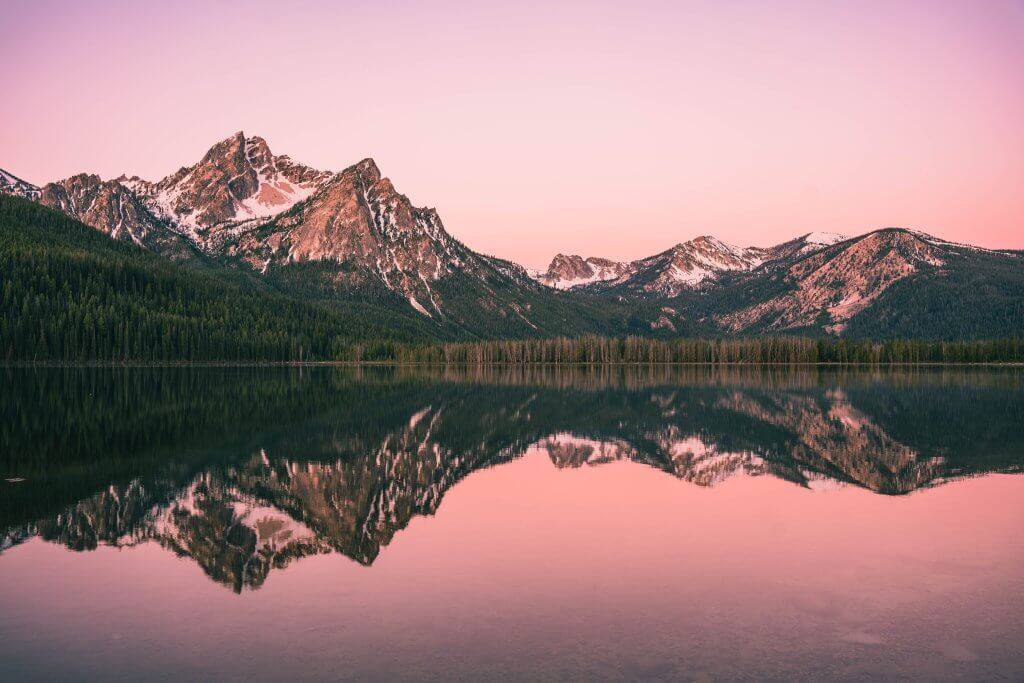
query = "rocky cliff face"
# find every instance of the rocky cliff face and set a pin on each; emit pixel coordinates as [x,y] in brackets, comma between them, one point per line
[359,220]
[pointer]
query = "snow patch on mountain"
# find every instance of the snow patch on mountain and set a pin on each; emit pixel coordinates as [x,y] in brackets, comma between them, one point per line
[12,184]
[824,238]
[569,270]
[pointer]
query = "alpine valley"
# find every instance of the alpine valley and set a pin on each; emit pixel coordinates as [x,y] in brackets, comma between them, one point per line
[245,227]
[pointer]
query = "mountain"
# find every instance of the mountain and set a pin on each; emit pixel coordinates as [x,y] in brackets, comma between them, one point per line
[688,266]
[350,240]
[685,267]
[113,209]
[804,244]
[568,271]
[237,181]
[886,283]
[345,236]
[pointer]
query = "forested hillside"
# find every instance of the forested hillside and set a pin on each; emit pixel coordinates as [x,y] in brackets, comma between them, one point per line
[71,293]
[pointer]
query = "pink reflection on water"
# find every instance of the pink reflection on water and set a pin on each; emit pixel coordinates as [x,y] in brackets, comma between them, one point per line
[612,571]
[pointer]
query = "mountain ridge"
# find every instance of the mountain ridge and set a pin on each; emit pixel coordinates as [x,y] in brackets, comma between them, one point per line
[351,235]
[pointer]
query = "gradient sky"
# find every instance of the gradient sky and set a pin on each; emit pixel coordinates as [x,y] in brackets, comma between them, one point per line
[603,128]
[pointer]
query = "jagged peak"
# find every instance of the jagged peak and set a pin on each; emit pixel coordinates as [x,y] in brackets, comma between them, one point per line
[235,139]
[561,259]
[81,177]
[257,146]
[366,168]
[228,146]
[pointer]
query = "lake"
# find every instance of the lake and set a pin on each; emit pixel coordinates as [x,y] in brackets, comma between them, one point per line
[530,523]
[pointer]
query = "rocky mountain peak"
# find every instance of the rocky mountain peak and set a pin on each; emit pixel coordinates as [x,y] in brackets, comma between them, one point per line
[257,151]
[367,170]
[242,203]
[229,150]
[691,265]
[238,179]
[358,220]
[695,264]
[706,242]
[570,270]
[111,207]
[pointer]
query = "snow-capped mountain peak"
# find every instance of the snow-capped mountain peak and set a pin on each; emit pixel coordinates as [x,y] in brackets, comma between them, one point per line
[569,270]
[685,266]
[823,238]
[239,179]
[690,265]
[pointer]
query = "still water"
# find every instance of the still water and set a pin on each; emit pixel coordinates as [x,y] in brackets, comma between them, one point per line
[509,524]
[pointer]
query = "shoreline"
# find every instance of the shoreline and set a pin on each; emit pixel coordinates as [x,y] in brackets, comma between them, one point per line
[435,364]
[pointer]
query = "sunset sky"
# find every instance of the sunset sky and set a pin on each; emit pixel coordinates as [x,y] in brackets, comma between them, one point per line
[603,128]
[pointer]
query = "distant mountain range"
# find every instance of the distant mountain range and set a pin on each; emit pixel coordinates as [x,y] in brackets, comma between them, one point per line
[685,267]
[351,235]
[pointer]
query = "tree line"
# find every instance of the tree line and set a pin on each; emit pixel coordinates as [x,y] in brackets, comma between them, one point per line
[761,350]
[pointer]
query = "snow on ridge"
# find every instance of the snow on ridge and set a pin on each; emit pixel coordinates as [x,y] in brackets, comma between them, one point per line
[9,179]
[15,185]
[575,282]
[824,238]
[742,253]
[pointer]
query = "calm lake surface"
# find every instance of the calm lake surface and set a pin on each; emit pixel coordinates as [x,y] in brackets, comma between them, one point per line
[254,524]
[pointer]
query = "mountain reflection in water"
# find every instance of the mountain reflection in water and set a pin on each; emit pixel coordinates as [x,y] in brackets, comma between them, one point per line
[246,470]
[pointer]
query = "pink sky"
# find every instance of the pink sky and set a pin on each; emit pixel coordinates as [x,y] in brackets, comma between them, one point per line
[611,129]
